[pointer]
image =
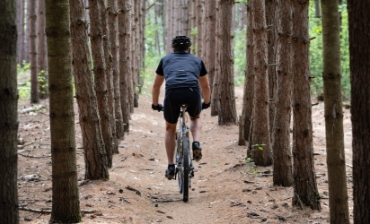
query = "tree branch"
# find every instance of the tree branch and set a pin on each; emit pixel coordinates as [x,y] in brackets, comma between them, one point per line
[149,7]
[48,211]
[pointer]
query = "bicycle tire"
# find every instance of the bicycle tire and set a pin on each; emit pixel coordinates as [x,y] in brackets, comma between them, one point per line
[186,168]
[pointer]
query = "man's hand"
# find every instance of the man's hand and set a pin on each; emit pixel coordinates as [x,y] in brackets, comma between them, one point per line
[159,107]
[205,105]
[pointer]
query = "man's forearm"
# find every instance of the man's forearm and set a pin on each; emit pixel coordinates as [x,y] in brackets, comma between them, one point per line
[155,95]
[206,94]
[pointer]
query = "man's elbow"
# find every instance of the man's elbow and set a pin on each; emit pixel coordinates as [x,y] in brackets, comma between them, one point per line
[205,87]
[156,87]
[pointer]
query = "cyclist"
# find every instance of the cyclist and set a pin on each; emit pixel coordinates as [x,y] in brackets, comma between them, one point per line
[185,76]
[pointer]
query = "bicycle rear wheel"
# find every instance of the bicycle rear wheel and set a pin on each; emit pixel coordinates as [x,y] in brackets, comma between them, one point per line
[183,174]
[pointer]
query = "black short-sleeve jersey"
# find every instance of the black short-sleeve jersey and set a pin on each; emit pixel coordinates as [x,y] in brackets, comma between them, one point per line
[181,70]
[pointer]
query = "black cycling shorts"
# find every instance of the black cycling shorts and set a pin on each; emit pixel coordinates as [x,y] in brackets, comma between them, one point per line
[174,98]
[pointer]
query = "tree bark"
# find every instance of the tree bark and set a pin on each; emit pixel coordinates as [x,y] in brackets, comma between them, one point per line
[271,22]
[92,137]
[20,27]
[227,109]
[41,56]
[65,200]
[27,32]
[305,187]
[359,47]
[113,34]
[336,159]
[158,22]
[135,50]
[108,58]
[9,212]
[281,135]
[101,89]
[192,24]
[170,25]
[247,110]
[199,21]
[33,51]
[126,83]
[261,144]
[210,24]
[215,85]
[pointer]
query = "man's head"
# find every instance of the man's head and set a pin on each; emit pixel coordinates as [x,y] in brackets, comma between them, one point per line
[181,43]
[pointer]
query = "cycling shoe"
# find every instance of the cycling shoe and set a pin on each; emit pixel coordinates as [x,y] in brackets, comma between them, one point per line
[170,172]
[197,151]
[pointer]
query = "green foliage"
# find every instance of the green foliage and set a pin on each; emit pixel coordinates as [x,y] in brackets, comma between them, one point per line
[344,46]
[252,166]
[248,160]
[155,52]
[194,32]
[316,63]
[239,56]
[24,80]
[42,80]
[258,146]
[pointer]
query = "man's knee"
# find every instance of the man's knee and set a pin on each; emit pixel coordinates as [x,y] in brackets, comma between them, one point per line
[194,118]
[170,127]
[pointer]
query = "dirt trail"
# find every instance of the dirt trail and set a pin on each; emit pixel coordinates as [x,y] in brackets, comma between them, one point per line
[224,190]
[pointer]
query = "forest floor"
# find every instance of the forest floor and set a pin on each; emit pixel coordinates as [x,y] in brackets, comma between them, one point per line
[225,188]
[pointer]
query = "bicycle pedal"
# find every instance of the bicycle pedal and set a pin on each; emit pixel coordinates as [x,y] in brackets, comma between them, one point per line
[176,171]
[192,174]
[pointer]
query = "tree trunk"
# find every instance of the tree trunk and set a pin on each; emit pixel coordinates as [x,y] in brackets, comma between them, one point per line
[227,109]
[359,47]
[305,187]
[126,83]
[33,51]
[157,17]
[261,144]
[26,52]
[135,50]
[215,85]
[108,58]
[20,27]
[185,17]
[9,212]
[281,135]
[243,15]
[65,200]
[199,21]
[271,22]
[101,89]
[142,40]
[182,18]
[247,110]
[113,33]
[92,137]
[41,56]
[170,25]
[210,24]
[193,24]
[336,161]
[317,9]
[164,16]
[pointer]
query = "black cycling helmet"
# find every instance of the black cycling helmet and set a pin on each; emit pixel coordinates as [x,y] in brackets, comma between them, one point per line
[181,43]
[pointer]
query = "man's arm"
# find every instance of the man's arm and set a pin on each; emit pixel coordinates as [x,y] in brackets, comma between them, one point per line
[158,81]
[203,81]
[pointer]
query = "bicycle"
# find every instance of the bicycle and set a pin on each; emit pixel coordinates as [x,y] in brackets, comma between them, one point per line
[184,165]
